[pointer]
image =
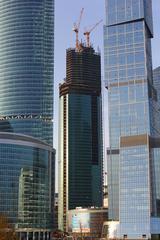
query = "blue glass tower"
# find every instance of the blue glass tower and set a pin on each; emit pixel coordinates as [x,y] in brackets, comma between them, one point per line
[26,67]
[133,117]
[27,156]
[27,185]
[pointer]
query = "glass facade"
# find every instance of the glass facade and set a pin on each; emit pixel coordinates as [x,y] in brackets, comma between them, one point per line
[80,134]
[80,151]
[156,82]
[133,115]
[113,185]
[134,191]
[82,169]
[122,11]
[26,67]
[27,185]
[156,151]
[126,74]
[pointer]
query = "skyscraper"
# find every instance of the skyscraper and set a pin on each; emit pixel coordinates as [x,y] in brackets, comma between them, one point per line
[26,116]
[26,67]
[80,153]
[156,82]
[133,117]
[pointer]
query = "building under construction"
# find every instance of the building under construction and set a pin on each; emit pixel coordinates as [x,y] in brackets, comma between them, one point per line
[80,155]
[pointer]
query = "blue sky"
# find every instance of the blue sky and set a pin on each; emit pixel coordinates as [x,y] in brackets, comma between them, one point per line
[66,13]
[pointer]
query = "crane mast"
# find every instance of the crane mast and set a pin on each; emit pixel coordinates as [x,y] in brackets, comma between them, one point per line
[87,33]
[77,27]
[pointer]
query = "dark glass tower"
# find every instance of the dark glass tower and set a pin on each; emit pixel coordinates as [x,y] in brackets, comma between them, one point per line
[80,155]
[156,82]
[156,150]
[26,67]
[133,118]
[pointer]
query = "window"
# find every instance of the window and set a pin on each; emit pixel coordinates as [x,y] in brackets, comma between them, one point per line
[138,26]
[130,58]
[122,59]
[120,39]
[112,59]
[138,37]
[139,57]
[129,38]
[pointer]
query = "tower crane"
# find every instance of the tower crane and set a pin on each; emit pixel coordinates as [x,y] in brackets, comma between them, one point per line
[87,33]
[77,27]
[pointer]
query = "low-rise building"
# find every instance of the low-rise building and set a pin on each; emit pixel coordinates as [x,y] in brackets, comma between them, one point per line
[86,222]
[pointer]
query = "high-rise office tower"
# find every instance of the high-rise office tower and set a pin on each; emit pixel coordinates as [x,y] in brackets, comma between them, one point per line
[26,67]
[133,116]
[156,82]
[80,153]
[26,113]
